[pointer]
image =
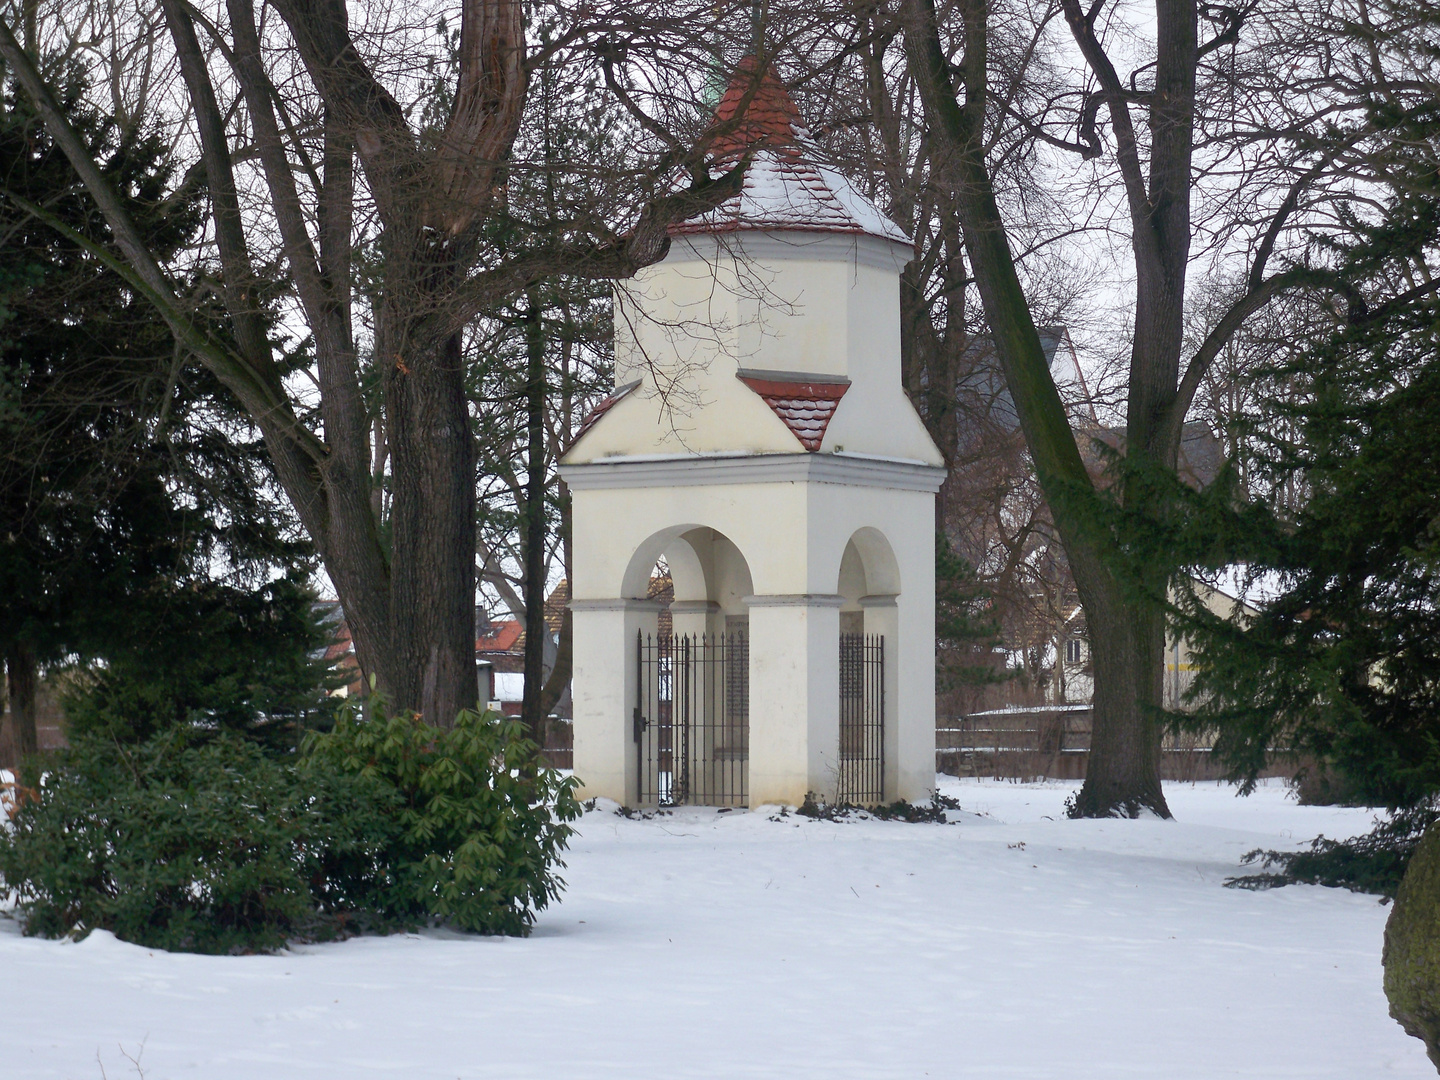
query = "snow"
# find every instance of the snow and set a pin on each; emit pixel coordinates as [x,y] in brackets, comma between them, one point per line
[784,189]
[864,212]
[1011,944]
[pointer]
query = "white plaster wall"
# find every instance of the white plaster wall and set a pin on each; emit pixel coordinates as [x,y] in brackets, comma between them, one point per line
[792,537]
[788,303]
[604,673]
[794,700]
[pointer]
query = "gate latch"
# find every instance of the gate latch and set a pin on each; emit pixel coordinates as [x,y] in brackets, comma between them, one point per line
[640,723]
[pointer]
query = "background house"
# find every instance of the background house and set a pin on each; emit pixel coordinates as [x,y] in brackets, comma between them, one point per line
[49,723]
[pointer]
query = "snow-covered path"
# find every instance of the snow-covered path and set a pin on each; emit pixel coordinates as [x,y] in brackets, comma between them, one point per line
[1013,944]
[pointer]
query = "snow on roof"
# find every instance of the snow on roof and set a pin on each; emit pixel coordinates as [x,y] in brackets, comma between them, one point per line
[784,187]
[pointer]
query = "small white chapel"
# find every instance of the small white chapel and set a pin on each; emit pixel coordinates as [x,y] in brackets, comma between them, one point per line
[760,449]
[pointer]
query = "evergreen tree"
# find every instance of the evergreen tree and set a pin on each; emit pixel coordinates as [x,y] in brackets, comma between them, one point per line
[967,634]
[127,479]
[1339,667]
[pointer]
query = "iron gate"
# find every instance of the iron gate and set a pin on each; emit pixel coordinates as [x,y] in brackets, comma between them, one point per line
[862,720]
[692,719]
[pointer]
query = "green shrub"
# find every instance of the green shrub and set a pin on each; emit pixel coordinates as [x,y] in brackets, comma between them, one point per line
[205,846]
[480,830]
[200,842]
[1373,863]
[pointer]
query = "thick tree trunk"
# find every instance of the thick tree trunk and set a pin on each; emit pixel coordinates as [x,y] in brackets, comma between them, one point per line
[1127,647]
[429,664]
[559,678]
[24,675]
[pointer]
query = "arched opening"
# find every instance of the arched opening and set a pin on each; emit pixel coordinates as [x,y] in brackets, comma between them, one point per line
[692,676]
[869,582]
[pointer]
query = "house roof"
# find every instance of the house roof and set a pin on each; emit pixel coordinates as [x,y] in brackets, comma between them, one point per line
[982,380]
[556,604]
[508,635]
[785,187]
[499,636]
[1201,454]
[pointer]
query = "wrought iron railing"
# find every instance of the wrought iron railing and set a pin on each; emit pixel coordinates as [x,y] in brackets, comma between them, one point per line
[692,719]
[861,779]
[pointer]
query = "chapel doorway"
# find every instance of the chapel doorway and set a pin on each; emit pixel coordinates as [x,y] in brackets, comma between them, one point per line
[692,719]
[868,585]
[691,713]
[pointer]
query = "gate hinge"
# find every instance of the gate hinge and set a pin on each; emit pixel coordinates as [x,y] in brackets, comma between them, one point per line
[640,723]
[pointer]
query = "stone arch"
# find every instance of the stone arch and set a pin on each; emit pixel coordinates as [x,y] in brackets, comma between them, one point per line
[869,586]
[690,656]
[869,560]
[705,566]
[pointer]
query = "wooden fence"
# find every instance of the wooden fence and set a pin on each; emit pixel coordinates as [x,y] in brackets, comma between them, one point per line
[559,748]
[1047,742]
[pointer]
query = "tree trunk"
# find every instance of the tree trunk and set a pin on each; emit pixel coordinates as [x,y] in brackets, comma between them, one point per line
[559,678]
[1127,654]
[533,706]
[430,659]
[24,675]
[1125,640]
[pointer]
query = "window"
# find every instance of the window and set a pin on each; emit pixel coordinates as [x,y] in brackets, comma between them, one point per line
[1074,651]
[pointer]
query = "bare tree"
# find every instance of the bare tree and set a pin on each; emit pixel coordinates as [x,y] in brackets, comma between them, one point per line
[869,120]
[279,113]
[1206,152]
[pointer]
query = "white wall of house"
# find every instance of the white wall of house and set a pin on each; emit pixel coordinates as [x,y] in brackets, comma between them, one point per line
[1179,661]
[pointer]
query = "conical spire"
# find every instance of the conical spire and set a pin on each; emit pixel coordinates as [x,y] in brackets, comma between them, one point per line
[770,120]
[785,189]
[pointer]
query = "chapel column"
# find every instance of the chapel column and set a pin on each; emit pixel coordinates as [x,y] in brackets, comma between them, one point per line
[794,697]
[604,635]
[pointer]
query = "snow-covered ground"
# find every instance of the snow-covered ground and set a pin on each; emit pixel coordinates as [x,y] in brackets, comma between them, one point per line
[1012,944]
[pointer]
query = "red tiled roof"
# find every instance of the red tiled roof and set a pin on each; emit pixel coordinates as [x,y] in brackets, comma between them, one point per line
[804,407]
[604,405]
[784,188]
[771,119]
[556,604]
[499,636]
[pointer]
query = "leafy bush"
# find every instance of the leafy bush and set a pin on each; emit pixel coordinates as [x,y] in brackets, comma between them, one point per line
[200,842]
[480,830]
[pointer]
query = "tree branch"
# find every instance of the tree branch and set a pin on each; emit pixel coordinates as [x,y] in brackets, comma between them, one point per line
[1127,151]
[1254,299]
[363,107]
[264,401]
[341,405]
[489,101]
